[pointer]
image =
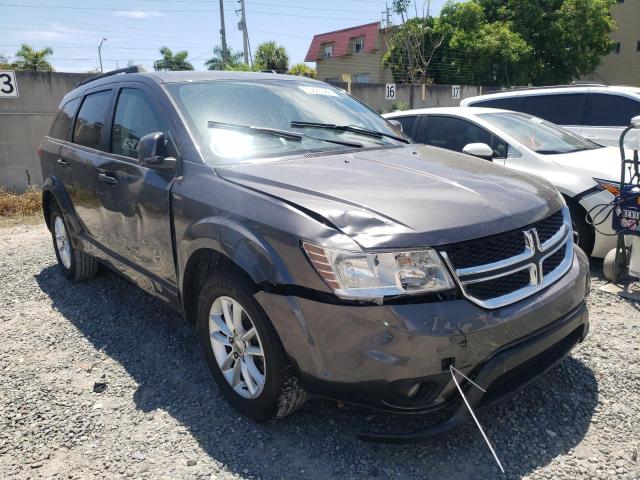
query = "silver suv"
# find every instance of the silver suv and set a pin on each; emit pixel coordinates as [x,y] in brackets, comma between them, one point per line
[597,112]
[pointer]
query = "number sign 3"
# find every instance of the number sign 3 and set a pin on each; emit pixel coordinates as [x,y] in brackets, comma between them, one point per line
[8,84]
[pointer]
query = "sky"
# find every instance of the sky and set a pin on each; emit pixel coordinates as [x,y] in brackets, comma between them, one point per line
[136,29]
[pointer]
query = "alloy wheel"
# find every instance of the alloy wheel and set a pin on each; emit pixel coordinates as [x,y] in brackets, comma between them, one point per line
[62,242]
[237,347]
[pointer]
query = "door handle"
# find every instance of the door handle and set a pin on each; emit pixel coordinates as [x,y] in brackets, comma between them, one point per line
[103,177]
[62,163]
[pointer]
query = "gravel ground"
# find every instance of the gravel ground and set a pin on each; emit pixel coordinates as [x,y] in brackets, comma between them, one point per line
[101,380]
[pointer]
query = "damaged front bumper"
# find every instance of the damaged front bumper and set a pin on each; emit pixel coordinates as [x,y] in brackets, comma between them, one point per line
[376,355]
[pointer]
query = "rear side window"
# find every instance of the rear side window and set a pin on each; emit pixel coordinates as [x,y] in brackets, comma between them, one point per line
[135,117]
[91,119]
[506,103]
[562,108]
[61,128]
[611,110]
[407,123]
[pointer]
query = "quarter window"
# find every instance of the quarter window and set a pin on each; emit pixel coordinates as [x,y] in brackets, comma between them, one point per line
[135,117]
[92,119]
[61,128]
[562,109]
[407,123]
[611,110]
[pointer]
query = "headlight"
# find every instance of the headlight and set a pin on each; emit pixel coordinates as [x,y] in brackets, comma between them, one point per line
[359,275]
[613,187]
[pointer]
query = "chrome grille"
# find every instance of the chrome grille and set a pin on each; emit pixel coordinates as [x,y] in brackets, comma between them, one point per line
[502,269]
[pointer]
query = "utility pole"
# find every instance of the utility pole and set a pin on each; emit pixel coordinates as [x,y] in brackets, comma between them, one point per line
[223,34]
[100,54]
[245,35]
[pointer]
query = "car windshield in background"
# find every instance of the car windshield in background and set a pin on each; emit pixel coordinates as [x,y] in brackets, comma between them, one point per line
[241,120]
[537,134]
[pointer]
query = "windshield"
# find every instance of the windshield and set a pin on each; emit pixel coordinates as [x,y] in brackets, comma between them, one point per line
[537,134]
[212,107]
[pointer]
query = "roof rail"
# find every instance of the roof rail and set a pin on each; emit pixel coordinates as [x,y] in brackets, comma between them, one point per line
[572,85]
[134,69]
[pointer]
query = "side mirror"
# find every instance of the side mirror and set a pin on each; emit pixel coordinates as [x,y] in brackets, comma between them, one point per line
[152,153]
[481,150]
[635,121]
[396,124]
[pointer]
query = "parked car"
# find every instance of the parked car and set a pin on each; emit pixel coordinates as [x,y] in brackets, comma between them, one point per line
[316,249]
[583,171]
[597,112]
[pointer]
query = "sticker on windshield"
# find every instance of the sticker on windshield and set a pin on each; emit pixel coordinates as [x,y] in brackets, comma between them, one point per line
[318,91]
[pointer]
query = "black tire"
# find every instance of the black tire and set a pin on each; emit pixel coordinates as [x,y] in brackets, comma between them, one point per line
[584,231]
[81,266]
[282,393]
[608,266]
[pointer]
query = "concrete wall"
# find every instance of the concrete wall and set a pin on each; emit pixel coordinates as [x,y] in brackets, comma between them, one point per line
[25,120]
[424,96]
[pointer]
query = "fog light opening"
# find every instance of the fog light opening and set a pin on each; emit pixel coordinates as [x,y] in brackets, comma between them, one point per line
[414,390]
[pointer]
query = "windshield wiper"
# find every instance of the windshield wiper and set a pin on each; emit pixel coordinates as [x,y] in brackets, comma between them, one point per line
[276,133]
[257,130]
[347,128]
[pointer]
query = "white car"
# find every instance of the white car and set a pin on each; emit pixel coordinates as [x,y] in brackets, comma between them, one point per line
[587,174]
[596,112]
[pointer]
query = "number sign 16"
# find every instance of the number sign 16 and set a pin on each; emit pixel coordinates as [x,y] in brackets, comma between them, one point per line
[390,91]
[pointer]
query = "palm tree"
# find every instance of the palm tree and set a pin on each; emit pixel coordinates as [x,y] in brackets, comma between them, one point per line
[30,59]
[302,70]
[223,59]
[172,61]
[271,56]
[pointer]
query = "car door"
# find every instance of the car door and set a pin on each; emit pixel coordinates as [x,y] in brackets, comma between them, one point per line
[80,158]
[454,133]
[607,115]
[135,199]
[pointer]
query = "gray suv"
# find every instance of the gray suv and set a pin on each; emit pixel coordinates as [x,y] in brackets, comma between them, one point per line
[315,248]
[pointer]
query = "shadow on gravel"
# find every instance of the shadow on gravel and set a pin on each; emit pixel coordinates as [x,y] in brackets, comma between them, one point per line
[161,353]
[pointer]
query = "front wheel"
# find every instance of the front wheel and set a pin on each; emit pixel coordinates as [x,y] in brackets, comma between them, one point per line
[584,234]
[243,351]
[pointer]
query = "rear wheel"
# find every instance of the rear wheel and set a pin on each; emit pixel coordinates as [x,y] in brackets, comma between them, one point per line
[75,264]
[244,352]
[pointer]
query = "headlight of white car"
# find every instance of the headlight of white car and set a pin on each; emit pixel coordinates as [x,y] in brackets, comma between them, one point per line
[368,276]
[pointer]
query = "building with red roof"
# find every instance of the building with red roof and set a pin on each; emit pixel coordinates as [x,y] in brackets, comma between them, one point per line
[350,55]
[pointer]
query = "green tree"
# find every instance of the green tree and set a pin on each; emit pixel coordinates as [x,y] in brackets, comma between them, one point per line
[501,42]
[224,59]
[4,62]
[271,56]
[302,70]
[172,61]
[567,37]
[30,59]
[411,49]
[477,51]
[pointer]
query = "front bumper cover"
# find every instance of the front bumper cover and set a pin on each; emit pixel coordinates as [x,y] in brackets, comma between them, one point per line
[356,353]
[505,373]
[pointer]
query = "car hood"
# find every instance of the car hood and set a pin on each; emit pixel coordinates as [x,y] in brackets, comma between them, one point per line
[601,163]
[413,195]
